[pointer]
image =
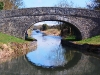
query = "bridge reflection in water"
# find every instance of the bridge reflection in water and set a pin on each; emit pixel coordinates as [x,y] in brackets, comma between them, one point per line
[79,65]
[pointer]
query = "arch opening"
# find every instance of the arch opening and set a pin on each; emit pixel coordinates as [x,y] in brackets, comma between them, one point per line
[72,30]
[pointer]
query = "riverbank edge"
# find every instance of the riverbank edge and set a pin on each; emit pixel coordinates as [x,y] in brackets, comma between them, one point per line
[87,47]
[54,32]
[13,50]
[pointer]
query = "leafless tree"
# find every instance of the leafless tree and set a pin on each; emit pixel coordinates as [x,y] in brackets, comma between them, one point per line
[17,3]
[95,5]
[64,3]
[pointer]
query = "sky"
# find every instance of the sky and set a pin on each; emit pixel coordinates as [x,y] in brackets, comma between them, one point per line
[51,3]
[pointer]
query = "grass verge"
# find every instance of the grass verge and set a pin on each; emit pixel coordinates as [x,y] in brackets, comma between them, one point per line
[70,37]
[93,40]
[5,38]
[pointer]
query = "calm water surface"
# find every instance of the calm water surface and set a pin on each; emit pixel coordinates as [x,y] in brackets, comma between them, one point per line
[49,52]
[50,58]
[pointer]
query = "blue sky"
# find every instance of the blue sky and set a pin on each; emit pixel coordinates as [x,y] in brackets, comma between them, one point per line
[50,3]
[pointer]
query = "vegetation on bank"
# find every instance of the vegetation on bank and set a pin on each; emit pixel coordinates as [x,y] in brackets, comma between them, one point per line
[11,47]
[30,39]
[94,40]
[55,32]
[70,37]
[5,38]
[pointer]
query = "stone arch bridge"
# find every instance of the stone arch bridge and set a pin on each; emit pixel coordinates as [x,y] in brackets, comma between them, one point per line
[16,22]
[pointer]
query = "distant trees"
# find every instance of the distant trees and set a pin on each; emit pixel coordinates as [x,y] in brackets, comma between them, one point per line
[66,29]
[11,4]
[95,5]
[44,27]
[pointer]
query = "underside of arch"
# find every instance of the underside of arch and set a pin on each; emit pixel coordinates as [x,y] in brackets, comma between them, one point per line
[74,25]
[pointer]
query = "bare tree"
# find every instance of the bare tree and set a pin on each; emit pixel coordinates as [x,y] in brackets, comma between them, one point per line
[95,4]
[17,3]
[64,3]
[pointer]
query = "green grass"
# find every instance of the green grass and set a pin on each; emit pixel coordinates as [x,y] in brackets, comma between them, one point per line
[70,37]
[93,40]
[4,38]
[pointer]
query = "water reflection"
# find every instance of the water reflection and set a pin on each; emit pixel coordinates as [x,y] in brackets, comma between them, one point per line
[49,52]
[84,65]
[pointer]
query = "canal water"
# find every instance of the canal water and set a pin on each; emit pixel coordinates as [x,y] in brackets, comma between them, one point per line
[50,58]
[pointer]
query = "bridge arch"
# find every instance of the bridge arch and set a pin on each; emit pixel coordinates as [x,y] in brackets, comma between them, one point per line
[80,33]
[16,22]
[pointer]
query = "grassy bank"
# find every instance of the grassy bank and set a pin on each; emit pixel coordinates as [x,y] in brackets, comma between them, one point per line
[93,40]
[4,38]
[11,47]
[70,37]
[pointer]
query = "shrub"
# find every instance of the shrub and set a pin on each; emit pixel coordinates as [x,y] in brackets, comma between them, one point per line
[1,5]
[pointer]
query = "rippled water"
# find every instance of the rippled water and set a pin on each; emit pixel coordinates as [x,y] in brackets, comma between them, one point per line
[50,58]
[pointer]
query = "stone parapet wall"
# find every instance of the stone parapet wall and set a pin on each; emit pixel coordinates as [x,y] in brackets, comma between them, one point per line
[51,11]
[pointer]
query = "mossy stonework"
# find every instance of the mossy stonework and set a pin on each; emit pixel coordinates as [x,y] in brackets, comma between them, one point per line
[17,22]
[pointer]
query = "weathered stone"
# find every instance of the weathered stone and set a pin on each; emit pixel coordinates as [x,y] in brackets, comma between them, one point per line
[16,22]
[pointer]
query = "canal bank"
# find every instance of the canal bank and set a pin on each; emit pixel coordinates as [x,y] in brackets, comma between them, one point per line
[94,48]
[14,50]
[11,47]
